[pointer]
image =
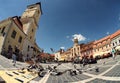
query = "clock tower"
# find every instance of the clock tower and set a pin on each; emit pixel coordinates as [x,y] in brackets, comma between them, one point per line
[30,19]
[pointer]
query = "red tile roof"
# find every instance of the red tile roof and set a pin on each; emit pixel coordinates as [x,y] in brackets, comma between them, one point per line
[115,34]
[102,39]
[17,22]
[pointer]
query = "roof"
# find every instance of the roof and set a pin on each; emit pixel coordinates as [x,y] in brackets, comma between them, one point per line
[2,21]
[46,55]
[17,22]
[102,39]
[39,3]
[115,34]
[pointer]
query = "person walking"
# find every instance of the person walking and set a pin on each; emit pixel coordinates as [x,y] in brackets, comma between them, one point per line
[14,59]
[113,53]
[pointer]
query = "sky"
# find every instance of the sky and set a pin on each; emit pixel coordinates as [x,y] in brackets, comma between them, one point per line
[64,20]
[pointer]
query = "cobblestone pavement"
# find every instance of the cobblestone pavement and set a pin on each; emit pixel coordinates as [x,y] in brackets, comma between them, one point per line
[109,72]
[7,64]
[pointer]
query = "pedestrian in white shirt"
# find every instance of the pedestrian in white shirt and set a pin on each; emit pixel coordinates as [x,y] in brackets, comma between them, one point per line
[14,59]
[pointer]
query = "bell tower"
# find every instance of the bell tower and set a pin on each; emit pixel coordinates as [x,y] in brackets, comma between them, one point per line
[75,41]
[30,19]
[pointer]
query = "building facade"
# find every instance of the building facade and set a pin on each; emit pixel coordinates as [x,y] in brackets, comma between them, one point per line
[115,39]
[17,34]
[57,56]
[87,49]
[102,46]
[30,19]
[12,36]
[75,51]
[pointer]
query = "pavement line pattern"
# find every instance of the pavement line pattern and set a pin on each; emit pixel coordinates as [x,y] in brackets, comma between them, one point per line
[33,81]
[1,67]
[100,76]
[109,69]
[45,78]
[66,66]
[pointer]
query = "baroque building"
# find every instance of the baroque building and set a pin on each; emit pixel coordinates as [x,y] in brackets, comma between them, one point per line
[101,47]
[75,49]
[87,49]
[115,39]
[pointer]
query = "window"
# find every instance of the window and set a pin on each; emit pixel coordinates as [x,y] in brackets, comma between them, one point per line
[3,30]
[98,49]
[13,34]
[106,46]
[94,50]
[32,30]
[20,39]
[119,41]
[28,47]
[30,37]
[113,44]
[3,34]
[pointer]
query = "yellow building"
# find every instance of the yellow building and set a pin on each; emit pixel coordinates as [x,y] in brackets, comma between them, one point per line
[57,55]
[12,35]
[67,55]
[17,34]
[76,49]
[63,55]
[102,46]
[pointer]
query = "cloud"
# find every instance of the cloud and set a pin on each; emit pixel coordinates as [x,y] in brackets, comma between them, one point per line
[79,37]
[67,36]
[107,33]
[62,47]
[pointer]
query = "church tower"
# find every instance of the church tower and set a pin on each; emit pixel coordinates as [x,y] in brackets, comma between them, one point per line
[30,19]
[75,41]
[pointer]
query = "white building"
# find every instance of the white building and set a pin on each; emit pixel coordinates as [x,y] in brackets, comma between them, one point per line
[115,39]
